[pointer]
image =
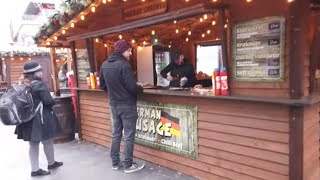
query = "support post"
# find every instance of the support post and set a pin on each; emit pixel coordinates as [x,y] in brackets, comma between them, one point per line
[56,86]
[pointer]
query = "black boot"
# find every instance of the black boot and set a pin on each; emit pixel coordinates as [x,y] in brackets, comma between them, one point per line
[40,172]
[56,164]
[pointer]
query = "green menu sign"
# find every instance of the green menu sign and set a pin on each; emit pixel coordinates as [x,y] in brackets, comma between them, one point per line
[169,127]
[258,50]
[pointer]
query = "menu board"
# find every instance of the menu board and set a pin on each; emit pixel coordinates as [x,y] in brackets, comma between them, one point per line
[258,50]
[82,63]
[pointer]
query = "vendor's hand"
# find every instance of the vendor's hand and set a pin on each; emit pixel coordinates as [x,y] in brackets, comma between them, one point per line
[169,77]
[197,86]
[183,81]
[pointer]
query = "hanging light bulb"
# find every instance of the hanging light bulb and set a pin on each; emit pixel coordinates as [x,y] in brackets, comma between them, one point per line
[187,0]
[189,32]
[203,35]
[169,46]
[225,25]
[63,31]
[12,59]
[72,25]
[29,59]
[214,0]
[175,21]
[156,40]
[177,30]
[105,45]
[201,19]
[205,16]
[82,17]
[97,40]
[109,0]
[48,43]
[187,39]
[214,22]
[208,31]
[163,0]
[93,9]
[55,37]
[21,59]
[133,41]
[153,32]
[104,1]
[249,1]
[290,1]
[124,0]
[120,36]
[143,0]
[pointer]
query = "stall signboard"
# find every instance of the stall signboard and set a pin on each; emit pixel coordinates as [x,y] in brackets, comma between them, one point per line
[168,127]
[82,63]
[144,10]
[258,50]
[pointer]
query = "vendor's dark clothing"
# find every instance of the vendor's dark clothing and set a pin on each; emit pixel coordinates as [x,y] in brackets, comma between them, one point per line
[34,130]
[116,77]
[184,70]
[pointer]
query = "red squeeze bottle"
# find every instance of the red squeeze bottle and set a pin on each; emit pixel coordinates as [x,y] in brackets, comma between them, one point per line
[224,82]
[97,80]
[88,81]
[217,81]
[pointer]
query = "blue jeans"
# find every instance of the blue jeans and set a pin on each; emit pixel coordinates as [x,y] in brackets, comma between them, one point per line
[124,117]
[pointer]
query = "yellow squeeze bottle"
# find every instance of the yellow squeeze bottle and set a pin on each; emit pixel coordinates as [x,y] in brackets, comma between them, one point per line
[92,80]
[213,78]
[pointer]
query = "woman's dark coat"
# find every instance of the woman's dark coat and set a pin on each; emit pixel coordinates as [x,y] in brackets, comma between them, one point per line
[34,130]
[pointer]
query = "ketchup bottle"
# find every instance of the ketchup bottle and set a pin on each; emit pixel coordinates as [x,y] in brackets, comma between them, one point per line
[224,82]
[88,81]
[217,90]
[97,80]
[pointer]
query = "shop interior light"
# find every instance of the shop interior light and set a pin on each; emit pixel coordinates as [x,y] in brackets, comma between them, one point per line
[55,37]
[153,32]
[93,9]
[63,31]
[72,25]
[156,40]
[82,17]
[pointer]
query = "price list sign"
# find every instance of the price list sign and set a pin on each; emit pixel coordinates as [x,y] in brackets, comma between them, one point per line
[258,50]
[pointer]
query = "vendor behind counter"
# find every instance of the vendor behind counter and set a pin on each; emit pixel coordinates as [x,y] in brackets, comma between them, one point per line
[179,72]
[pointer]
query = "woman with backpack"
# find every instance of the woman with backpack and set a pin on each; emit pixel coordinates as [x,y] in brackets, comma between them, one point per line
[44,126]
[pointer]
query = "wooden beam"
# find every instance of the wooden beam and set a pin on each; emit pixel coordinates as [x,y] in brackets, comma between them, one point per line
[315,57]
[90,49]
[299,14]
[56,86]
[296,143]
[223,38]
[179,14]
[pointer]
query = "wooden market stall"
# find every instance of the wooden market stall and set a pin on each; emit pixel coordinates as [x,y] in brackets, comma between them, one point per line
[268,125]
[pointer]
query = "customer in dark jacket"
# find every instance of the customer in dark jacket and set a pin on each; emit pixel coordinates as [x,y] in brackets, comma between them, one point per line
[116,77]
[42,128]
[179,72]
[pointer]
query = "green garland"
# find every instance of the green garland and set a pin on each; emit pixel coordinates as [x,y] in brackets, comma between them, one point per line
[71,8]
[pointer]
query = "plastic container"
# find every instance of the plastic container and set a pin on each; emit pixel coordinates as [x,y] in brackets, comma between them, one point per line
[224,81]
[217,89]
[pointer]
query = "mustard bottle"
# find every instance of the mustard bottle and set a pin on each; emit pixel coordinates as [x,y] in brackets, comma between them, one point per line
[92,80]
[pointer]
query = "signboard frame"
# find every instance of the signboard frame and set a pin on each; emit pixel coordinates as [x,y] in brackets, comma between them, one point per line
[186,144]
[255,38]
[144,10]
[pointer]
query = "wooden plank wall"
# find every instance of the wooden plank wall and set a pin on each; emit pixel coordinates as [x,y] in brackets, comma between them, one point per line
[237,140]
[311,154]
[16,69]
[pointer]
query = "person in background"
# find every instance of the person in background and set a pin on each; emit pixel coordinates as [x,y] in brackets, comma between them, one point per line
[44,126]
[62,75]
[179,72]
[116,77]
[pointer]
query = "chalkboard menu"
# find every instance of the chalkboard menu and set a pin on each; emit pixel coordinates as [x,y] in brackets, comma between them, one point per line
[258,50]
[82,63]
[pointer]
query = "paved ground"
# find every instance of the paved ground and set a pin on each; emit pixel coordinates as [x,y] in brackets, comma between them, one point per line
[82,161]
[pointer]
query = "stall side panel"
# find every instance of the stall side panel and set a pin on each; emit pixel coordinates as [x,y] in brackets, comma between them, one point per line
[311,168]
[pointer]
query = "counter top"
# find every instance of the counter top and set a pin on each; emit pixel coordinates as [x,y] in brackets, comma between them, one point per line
[310,100]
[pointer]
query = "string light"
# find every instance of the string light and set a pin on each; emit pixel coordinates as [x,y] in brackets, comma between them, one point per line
[12,59]
[201,19]
[214,0]
[187,39]
[120,36]
[163,0]
[169,46]
[109,0]
[225,26]
[177,30]
[156,40]
[55,37]
[214,22]
[105,45]
[290,1]
[104,1]
[208,31]
[97,40]
[72,24]
[189,32]
[205,16]
[48,43]
[203,35]
[2,59]
[21,59]
[143,0]
[153,32]
[29,59]
[249,1]
[93,9]
[175,21]
[187,0]
[82,17]
[133,41]
[63,31]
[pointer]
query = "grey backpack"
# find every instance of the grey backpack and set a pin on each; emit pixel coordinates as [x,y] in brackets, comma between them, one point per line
[16,105]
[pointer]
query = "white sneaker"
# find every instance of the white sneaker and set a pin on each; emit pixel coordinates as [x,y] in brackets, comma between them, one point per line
[134,167]
[115,168]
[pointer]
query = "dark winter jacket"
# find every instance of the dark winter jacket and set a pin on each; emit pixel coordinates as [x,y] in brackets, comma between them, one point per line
[34,130]
[116,77]
[184,70]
